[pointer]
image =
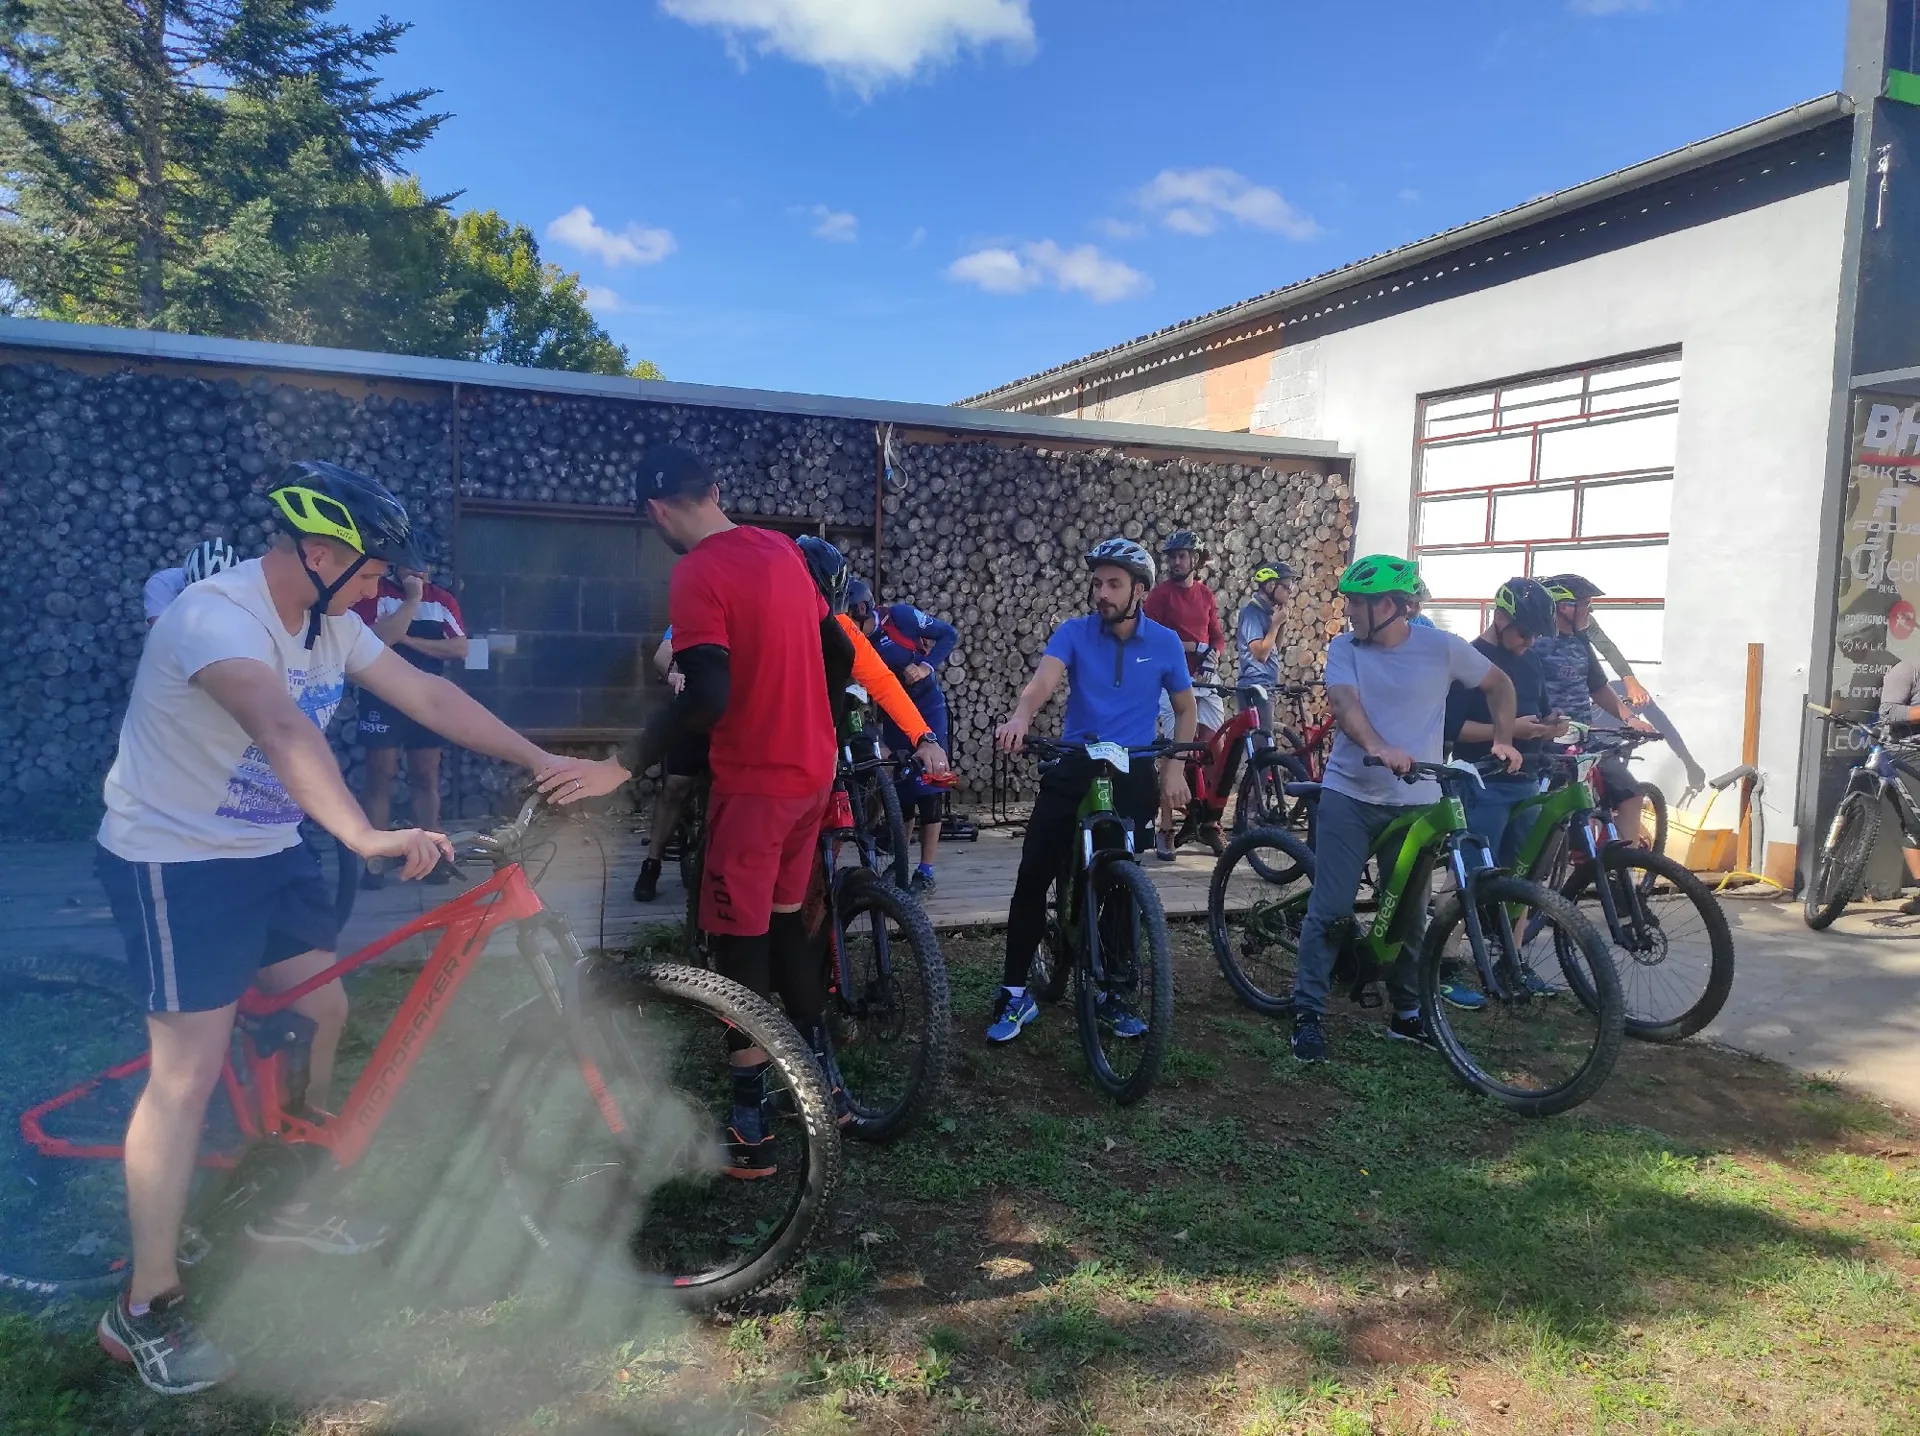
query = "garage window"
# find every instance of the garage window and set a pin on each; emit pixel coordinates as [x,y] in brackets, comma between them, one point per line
[1569,472]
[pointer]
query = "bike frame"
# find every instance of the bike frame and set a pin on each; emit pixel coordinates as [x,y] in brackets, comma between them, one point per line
[263,1103]
[1105,837]
[1314,737]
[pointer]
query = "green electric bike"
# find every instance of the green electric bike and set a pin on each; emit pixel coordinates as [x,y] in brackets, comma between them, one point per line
[1108,932]
[1671,945]
[1532,1045]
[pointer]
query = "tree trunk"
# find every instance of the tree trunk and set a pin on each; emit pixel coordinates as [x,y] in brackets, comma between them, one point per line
[151,194]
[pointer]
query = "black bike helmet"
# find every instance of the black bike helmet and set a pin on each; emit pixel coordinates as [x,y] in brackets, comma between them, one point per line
[1527,603]
[1181,539]
[859,595]
[1575,588]
[1274,572]
[1123,553]
[829,569]
[321,500]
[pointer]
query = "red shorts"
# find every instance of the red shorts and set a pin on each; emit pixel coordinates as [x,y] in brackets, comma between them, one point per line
[760,851]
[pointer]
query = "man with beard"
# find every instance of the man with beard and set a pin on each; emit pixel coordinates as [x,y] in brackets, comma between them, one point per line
[1117,662]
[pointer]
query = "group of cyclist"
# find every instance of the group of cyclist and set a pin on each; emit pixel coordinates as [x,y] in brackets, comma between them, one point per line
[223,753]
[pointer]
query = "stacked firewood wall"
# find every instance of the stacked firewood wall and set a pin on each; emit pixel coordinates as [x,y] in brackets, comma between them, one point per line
[109,474]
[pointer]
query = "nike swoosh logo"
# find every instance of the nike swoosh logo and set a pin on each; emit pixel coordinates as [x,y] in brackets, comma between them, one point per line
[1143,660]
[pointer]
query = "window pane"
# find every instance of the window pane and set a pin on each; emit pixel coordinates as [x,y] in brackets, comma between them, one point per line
[1536,392]
[1541,514]
[1539,413]
[1609,448]
[1649,372]
[1468,465]
[1621,570]
[1645,507]
[1466,424]
[1471,577]
[1463,404]
[1451,521]
[1465,621]
[1643,398]
[1636,632]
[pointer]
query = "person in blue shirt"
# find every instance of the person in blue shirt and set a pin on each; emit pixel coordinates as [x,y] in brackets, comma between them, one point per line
[1117,663]
[913,643]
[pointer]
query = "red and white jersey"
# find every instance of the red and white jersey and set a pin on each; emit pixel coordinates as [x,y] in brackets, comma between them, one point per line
[437,617]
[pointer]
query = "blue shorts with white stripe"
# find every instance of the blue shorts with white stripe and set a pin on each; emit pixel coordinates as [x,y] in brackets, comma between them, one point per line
[196,933]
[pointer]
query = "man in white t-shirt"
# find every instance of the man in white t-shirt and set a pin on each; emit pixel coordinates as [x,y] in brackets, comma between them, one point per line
[222,753]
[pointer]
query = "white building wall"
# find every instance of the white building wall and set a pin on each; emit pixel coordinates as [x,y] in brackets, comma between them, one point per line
[1751,301]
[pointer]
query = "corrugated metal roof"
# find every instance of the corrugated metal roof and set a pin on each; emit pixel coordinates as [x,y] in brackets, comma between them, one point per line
[1802,117]
[159,346]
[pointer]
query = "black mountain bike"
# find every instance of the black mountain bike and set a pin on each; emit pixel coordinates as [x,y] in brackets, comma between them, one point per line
[1840,867]
[1109,932]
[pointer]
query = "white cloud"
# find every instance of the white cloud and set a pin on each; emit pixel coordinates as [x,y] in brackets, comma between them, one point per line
[635,244]
[867,43]
[836,226]
[1192,202]
[1119,228]
[1611,7]
[999,270]
[601,300]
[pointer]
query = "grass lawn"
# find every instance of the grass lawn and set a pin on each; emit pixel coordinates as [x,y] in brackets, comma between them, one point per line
[1713,1245]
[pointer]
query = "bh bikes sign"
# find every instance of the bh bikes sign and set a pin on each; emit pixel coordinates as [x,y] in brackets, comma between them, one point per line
[1879,609]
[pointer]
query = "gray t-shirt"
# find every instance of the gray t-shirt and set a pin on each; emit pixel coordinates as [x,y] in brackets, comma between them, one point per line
[1250,629]
[1900,690]
[1404,693]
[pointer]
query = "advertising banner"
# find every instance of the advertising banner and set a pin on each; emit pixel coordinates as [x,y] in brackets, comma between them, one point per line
[1879,608]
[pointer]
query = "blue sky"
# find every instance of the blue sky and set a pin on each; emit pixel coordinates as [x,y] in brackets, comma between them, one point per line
[919,199]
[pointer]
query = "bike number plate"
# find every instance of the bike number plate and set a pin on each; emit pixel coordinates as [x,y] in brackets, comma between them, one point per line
[1108,753]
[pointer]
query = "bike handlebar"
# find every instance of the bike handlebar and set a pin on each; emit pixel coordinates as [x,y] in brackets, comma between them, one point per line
[1162,748]
[1446,774]
[503,840]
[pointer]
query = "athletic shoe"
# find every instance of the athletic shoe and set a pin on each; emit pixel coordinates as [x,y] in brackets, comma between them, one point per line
[646,887]
[749,1145]
[1211,840]
[1163,847]
[1911,907]
[1015,1013]
[921,883]
[166,1348]
[1118,1018]
[1412,1029]
[328,1234]
[1309,1042]
[1538,985]
[1467,999]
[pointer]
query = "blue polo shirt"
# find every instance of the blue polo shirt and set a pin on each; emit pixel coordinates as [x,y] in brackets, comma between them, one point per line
[1114,688]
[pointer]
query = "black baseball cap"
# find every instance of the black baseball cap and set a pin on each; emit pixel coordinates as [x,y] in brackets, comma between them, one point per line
[667,470]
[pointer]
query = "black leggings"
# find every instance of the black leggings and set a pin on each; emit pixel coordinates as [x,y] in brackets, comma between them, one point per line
[1051,832]
[786,960]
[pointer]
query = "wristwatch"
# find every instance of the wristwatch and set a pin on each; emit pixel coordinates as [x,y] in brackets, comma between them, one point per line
[923,740]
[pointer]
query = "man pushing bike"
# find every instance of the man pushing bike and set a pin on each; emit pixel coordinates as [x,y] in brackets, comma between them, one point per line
[222,752]
[1117,662]
[1387,683]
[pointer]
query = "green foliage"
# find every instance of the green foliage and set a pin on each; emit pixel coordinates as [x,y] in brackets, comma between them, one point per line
[233,167]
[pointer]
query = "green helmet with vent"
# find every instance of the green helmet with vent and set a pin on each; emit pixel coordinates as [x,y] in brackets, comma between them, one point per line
[1382,575]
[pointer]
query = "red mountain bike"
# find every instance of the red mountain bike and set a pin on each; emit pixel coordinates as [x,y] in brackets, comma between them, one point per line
[602,1125]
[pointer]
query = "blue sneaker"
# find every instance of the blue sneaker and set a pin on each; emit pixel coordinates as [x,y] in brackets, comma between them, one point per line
[1118,1018]
[1467,999]
[1538,985]
[1015,1014]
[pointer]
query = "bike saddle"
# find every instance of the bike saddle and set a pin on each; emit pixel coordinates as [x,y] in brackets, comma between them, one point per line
[1301,790]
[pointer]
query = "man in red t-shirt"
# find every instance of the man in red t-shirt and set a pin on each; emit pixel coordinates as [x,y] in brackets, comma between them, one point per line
[421,622]
[748,633]
[1187,606]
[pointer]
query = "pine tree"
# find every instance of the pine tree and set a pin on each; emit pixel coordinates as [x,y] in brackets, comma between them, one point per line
[163,161]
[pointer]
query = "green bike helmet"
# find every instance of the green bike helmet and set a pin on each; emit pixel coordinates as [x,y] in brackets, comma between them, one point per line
[1528,604]
[1382,574]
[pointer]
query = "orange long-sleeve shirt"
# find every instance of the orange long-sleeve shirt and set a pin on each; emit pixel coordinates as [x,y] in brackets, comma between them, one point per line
[871,673]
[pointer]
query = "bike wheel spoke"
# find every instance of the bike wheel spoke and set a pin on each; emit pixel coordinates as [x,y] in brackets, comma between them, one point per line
[889,1023]
[1671,947]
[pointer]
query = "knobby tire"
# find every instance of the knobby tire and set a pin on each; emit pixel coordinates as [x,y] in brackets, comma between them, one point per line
[864,899]
[1841,864]
[1120,880]
[1297,862]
